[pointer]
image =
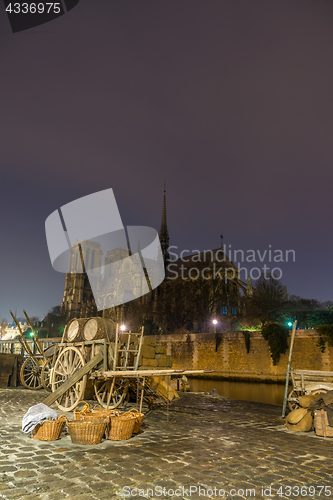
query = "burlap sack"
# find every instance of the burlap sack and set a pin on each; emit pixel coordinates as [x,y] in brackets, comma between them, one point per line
[304,425]
[296,415]
[305,401]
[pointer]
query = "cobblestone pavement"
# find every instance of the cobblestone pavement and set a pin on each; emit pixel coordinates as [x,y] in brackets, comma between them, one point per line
[227,448]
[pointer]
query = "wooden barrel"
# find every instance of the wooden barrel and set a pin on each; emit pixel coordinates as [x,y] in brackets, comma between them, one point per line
[73,330]
[98,328]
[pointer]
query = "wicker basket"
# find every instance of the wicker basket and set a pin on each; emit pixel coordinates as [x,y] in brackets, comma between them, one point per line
[84,409]
[103,412]
[321,424]
[87,431]
[138,419]
[50,430]
[121,427]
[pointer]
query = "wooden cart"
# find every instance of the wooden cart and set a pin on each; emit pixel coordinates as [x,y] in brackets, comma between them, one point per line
[73,361]
[110,363]
[308,382]
[35,371]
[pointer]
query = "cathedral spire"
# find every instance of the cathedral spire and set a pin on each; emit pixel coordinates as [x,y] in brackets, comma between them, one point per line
[164,235]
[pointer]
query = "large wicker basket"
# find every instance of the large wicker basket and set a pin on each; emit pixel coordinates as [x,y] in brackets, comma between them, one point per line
[50,430]
[138,419]
[121,427]
[87,431]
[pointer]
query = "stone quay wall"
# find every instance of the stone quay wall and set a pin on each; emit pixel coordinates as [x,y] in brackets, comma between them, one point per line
[226,354]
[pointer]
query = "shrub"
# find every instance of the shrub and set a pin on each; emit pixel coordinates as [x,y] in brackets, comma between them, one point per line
[277,337]
[325,335]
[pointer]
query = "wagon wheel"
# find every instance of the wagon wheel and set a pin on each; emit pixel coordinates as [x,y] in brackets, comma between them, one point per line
[293,399]
[69,361]
[318,391]
[45,375]
[31,373]
[119,392]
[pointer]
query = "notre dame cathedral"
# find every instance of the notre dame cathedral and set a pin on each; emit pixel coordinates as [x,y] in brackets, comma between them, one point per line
[78,300]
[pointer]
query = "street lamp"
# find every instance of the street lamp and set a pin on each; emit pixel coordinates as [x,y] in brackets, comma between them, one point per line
[214,323]
[123,328]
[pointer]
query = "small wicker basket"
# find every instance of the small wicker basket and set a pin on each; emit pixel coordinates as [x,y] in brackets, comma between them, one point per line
[98,410]
[87,431]
[84,409]
[138,419]
[50,430]
[121,427]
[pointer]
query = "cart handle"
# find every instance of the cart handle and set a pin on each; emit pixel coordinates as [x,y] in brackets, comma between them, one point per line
[38,344]
[26,345]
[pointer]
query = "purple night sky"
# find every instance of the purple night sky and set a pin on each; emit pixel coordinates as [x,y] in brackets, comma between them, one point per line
[230,102]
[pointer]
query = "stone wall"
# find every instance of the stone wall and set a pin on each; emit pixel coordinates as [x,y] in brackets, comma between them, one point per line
[226,354]
[153,355]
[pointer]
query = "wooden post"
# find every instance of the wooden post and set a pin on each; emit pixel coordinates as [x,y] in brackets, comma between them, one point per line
[142,391]
[288,369]
[110,393]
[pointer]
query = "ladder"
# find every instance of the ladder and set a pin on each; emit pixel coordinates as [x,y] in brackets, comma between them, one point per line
[124,349]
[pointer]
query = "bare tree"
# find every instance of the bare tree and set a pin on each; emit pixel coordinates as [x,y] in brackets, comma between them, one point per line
[268,302]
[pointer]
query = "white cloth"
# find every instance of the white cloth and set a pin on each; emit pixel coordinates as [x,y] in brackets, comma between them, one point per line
[37,414]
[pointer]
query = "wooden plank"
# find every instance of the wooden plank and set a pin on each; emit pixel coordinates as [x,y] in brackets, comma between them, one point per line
[196,372]
[313,372]
[73,379]
[4,380]
[13,377]
[132,373]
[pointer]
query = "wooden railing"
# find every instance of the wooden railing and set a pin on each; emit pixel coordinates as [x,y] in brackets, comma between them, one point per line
[15,346]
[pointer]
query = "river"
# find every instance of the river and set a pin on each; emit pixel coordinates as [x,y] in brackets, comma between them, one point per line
[248,391]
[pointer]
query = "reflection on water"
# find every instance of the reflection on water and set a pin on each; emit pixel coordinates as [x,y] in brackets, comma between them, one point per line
[249,391]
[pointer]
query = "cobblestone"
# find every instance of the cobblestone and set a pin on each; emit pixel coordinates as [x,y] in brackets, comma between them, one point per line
[205,441]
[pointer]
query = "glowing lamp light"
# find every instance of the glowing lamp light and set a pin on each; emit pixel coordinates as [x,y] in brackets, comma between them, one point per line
[31,334]
[122,328]
[290,323]
[214,322]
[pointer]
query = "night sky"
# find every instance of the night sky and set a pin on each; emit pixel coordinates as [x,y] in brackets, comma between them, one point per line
[229,102]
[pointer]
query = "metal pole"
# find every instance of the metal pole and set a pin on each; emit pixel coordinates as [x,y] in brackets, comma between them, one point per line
[288,369]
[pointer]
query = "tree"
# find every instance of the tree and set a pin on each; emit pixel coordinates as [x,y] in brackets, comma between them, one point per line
[53,324]
[3,326]
[267,303]
[55,311]
[176,306]
[309,313]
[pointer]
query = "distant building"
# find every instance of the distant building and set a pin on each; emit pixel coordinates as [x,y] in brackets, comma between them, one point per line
[12,331]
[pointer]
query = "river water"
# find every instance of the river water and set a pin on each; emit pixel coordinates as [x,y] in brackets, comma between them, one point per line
[248,391]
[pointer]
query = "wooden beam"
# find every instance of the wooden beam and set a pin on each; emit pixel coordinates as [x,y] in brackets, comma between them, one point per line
[196,372]
[133,373]
[73,379]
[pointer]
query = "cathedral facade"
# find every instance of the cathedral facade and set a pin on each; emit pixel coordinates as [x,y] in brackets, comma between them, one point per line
[125,277]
